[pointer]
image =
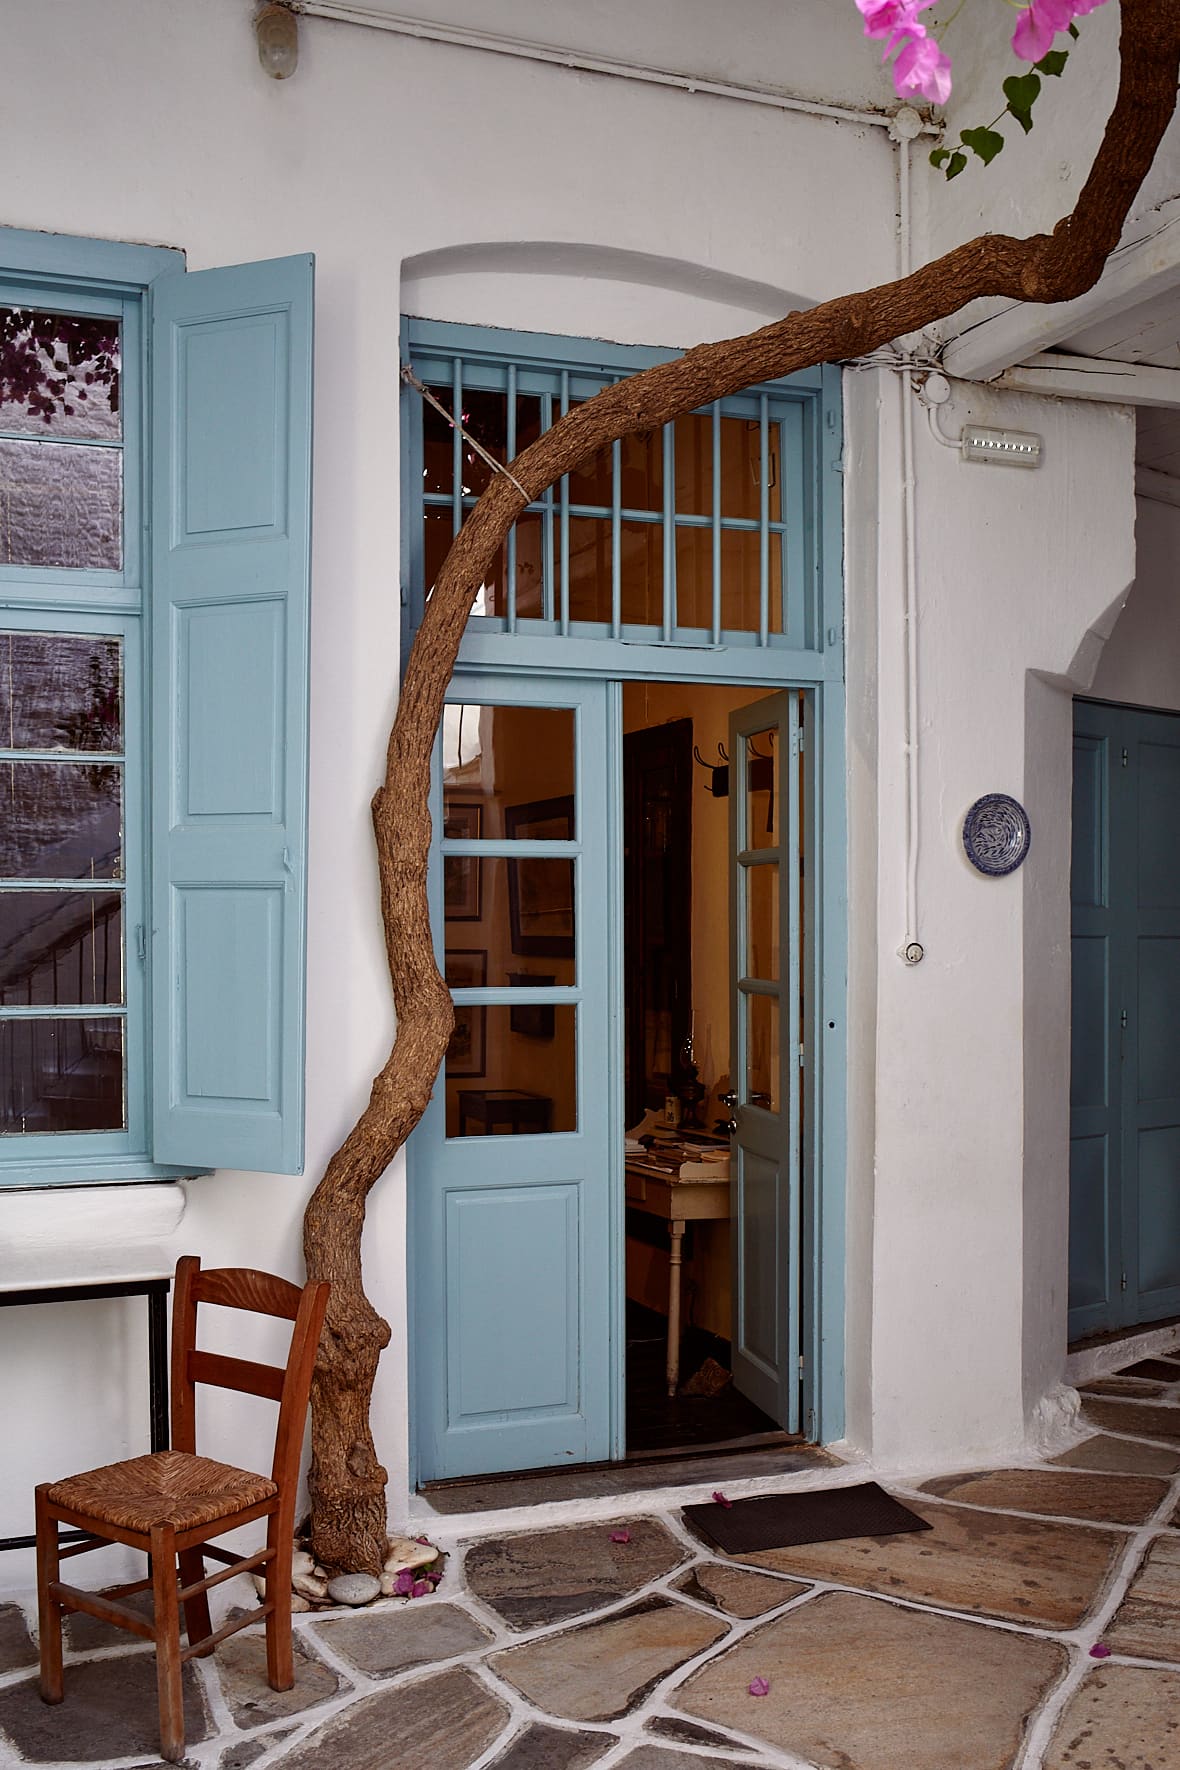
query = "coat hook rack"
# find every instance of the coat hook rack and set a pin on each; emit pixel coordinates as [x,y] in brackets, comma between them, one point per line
[719,770]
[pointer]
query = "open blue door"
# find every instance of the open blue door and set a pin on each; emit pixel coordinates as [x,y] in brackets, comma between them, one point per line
[515,1164]
[766,1051]
[1124,1239]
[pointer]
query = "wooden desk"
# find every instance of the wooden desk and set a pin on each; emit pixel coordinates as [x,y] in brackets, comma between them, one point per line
[514,1107]
[679,1201]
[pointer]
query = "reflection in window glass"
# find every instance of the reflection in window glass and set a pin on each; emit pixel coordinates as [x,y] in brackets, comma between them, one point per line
[61,820]
[62,1075]
[61,375]
[60,505]
[741,580]
[60,691]
[760,754]
[762,936]
[741,467]
[762,1051]
[511,1071]
[60,947]
[507,771]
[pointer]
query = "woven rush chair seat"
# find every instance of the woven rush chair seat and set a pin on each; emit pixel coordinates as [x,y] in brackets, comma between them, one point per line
[171,1503]
[168,1487]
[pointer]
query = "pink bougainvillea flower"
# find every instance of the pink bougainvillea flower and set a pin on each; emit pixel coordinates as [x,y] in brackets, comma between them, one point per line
[892,18]
[721,1500]
[1100,1650]
[620,1536]
[1041,20]
[404,1583]
[421,1588]
[759,1686]
[921,67]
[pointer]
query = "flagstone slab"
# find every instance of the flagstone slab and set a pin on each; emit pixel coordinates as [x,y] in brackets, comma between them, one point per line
[858,1684]
[241,1671]
[1027,1569]
[248,1751]
[690,1733]
[735,1590]
[1166,1369]
[603,1669]
[17,1647]
[82,1633]
[553,1748]
[1110,1499]
[445,1722]
[1146,1624]
[1120,1718]
[657,1757]
[550,1575]
[1137,1419]
[109,1712]
[384,1642]
[1126,1386]
[1117,1454]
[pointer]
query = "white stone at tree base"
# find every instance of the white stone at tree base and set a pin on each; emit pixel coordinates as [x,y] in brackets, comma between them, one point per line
[353,1588]
[405,1552]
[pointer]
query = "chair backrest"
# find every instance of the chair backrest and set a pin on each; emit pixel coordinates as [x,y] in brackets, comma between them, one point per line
[237,1287]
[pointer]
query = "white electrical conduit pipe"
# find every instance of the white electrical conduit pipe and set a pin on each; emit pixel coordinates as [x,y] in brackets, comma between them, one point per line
[582,61]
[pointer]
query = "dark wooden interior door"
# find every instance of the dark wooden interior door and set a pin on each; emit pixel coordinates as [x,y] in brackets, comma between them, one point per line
[657,899]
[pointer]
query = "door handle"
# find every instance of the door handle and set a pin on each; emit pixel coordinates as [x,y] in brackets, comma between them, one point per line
[729,1126]
[729,1099]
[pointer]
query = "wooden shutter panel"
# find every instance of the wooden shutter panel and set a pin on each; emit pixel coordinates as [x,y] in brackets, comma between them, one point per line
[231,453]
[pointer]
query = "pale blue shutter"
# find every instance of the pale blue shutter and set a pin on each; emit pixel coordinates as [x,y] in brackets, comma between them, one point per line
[231,452]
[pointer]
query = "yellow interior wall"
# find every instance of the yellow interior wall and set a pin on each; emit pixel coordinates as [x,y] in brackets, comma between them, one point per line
[706,1276]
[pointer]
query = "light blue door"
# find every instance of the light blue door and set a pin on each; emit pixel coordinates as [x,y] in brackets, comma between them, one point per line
[515,1167]
[1124,1249]
[766,1051]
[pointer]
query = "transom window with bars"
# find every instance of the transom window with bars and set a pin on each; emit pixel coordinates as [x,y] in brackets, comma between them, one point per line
[702,532]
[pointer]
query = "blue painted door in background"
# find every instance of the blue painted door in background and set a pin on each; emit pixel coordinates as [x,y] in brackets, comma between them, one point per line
[1124,1242]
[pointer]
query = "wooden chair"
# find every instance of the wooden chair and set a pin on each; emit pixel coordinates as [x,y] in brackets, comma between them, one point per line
[171,1503]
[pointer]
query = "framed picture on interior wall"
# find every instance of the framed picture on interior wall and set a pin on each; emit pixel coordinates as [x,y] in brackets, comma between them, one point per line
[467,968]
[541,889]
[462,873]
[533,1020]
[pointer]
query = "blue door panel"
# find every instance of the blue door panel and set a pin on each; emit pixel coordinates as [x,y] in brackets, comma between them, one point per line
[513,1296]
[1125,1091]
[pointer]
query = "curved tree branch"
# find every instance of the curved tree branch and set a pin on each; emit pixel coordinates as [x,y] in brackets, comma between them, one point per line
[347,1481]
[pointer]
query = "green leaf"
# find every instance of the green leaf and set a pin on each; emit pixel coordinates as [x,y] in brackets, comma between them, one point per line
[958,161]
[1054,62]
[1021,92]
[939,156]
[1073,31]
[987,143]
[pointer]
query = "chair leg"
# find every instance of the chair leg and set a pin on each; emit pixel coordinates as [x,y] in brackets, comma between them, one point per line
[197,1621]
[48,1610]
[280,1661]
[167,1624]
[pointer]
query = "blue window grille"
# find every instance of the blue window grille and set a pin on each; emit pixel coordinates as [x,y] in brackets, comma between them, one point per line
[702,534]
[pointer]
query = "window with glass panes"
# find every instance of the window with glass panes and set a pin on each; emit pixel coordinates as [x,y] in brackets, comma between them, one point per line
[700,532]
[70,865]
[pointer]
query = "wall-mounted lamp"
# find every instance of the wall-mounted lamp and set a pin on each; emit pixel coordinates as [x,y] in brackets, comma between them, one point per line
[277,31]
[975,442]
[1009,448]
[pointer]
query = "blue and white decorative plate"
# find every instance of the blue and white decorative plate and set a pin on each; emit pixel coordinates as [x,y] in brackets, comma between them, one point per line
[996,834]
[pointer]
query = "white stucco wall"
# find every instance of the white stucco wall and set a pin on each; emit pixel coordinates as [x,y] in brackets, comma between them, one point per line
[688,213]
[1140,663]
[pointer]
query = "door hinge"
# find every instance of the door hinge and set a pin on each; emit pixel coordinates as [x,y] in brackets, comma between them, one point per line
[1123,1282]
[141,943]
[1123,1020]
[1126,759]
[800,1365]
[801,1057]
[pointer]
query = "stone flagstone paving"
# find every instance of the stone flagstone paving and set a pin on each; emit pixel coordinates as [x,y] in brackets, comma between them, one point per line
[628,1644]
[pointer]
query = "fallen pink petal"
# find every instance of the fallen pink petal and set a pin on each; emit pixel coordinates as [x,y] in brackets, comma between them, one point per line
[760,1687]
[1100,1650]
[721,1500]
[404,1584]
[422,1588]
[620,1536]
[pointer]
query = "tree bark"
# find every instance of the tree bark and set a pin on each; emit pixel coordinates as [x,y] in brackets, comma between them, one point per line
[347,1482]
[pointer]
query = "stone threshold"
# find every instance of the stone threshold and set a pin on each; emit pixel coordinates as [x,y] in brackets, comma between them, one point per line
[1102,1356]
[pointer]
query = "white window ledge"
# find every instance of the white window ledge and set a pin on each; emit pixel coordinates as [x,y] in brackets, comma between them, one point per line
[88,1235]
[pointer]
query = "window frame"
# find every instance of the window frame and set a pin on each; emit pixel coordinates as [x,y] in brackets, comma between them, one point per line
[59,274]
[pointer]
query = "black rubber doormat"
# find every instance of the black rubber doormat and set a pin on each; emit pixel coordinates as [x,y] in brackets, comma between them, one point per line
[782,1520]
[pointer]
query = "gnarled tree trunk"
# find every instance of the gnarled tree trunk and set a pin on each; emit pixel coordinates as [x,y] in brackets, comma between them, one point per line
[347,1482]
